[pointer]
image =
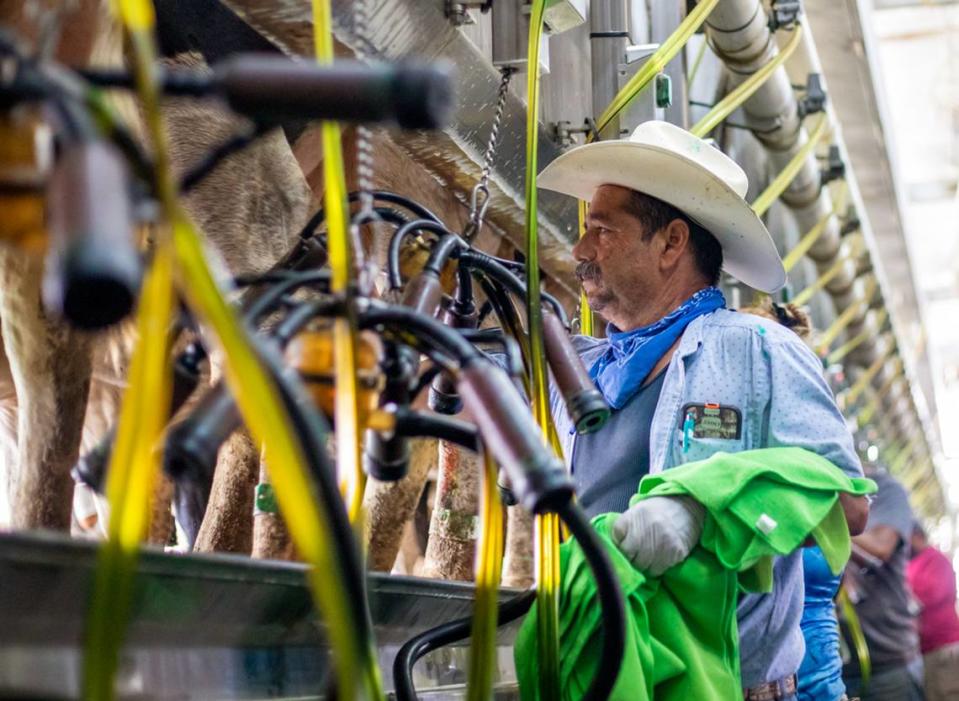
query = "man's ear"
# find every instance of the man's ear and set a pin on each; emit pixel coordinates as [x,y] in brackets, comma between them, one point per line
[675,242]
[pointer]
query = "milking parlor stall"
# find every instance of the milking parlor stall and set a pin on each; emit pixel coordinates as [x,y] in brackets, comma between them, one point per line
[280,300]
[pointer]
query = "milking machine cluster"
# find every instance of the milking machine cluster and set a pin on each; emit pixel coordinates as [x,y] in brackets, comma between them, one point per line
[450,322]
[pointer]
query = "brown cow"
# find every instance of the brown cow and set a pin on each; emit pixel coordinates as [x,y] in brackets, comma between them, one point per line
[249,210]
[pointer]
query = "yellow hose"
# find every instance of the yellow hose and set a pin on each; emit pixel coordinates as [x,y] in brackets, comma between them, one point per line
[657,62]
[858,639]
[259,404]
[585,313]
[346,408]
[865,416]
[482,655]
[547,526]
[134,462]
[134,468]
[846,318]
[856,341]
[746,89]
[782,181]
[830,274]
[859,387]
[811,236]
[700,53]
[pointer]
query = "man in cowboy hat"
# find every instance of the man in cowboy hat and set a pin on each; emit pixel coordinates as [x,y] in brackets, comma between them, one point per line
[686,377]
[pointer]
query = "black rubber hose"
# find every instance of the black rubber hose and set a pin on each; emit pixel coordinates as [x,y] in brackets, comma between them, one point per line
[405,202]
[178,82]
[446,338]
[495,269]
[311,429]
[557,307]
[396,243]
[511,348]
[91,468]
[417,424]
[442,252]
[446,634]
[610,593]
[192,444]
[425,380]
[387,214]
[268,300]
[463,296]
[418,210]
[613,617]
[503,307]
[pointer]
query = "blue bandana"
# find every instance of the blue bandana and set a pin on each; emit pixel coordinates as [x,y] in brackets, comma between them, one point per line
[631,355]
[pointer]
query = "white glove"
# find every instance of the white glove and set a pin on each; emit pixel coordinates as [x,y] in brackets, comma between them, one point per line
[659,532]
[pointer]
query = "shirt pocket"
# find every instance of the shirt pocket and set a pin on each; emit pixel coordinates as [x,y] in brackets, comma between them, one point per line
[693,449]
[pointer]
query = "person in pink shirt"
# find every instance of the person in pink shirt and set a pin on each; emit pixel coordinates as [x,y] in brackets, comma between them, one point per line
[933,582]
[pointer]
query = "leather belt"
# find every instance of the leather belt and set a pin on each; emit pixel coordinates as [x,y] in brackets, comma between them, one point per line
[772,691]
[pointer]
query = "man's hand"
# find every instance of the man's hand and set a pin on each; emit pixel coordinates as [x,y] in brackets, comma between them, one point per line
[857,512]
[659,532]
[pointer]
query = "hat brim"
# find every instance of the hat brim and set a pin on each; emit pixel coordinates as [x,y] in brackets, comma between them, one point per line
[749,253]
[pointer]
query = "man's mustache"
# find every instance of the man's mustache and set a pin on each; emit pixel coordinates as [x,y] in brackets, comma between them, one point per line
[588,270]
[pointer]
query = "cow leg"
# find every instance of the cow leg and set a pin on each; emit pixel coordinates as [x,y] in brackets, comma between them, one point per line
[228,522]
[518,564]
[271,539]
[390,505]
[50,364]
[8,437]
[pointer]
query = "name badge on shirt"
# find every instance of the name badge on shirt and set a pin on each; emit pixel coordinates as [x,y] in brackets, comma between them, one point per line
[709,420]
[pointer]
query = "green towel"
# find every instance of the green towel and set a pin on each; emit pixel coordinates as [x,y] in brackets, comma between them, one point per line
[681,635]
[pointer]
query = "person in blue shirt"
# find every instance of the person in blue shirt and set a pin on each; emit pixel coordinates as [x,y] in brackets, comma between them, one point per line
[820,674]
[685,376]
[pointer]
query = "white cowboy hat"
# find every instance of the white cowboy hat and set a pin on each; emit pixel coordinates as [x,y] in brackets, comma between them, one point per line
[670,164]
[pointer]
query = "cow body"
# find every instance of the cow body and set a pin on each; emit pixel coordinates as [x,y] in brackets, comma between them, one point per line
[249,211]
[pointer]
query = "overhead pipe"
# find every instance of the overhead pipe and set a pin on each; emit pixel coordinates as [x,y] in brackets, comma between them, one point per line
[864,353]
[809,239]
[655,63]
[745,90]
[871,372]
[863,281]
[874,324]
[791,170]
[740,36]
[739,33]
[608,38]
[839,277]
[855,312]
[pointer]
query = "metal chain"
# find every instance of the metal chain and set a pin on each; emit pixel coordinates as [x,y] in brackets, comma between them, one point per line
[364,145]
[479,199]
[364,160]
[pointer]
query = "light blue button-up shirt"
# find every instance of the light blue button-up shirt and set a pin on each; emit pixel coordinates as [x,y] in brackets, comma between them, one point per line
[765,371]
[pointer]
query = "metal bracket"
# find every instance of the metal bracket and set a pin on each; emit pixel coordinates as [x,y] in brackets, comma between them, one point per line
[815,98]
[563,132]
[835,167]
[849,226]
[638,52]
[783,14]
[458,12]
